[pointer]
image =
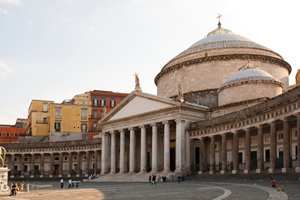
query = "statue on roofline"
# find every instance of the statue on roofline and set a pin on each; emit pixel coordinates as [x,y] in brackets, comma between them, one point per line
[137,83]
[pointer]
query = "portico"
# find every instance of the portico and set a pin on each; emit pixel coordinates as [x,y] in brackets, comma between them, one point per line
[142,132]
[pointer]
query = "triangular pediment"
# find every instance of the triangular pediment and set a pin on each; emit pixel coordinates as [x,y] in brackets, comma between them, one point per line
[137,104]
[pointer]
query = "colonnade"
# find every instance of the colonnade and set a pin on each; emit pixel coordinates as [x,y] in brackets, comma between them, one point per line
[51,164]
[133,156]
[270,130]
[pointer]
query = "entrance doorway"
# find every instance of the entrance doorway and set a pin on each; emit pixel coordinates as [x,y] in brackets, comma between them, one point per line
[172,159]
[253,162]
[56,170]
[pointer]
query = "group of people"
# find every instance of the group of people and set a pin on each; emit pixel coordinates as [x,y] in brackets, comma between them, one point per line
[152,179]
[72,183]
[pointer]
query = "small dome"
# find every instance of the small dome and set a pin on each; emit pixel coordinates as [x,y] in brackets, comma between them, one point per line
[249,72]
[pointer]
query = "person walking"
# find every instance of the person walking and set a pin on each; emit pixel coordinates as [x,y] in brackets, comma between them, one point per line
[70,183]
[61,183]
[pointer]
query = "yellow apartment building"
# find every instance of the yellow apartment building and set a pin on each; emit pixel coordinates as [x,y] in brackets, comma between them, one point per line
[70,117]
[38,115]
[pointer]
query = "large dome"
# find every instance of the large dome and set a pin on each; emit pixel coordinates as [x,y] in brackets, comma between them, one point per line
[203,68]
[222,38]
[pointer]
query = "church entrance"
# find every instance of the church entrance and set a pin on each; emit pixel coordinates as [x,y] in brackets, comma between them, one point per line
[253,163]
[172,159]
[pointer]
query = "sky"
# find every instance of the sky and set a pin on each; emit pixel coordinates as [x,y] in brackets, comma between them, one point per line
[55,49]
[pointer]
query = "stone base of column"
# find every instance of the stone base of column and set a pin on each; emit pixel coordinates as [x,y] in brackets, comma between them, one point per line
[200,172]
[112,173]
[234,171]
[258,171]
[143,172]
[60,176]
[41,176]
[222,172]
[283,170]
[166,172]
[50,176]
[77,175]
[271,170]
[297,169]
[69,175]
[246,171]
[153,172]
[31,176]
[12,176]
[211,172]
[86,175]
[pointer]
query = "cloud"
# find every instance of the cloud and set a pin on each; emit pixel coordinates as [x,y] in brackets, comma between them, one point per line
[14,2]
[5,70]
[3,11]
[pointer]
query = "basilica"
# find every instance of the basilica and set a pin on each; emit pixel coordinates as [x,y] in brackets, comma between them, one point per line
[223,106]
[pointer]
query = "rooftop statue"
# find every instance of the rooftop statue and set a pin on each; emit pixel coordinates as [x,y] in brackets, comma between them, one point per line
[2,156]
[180,93]
[137,83]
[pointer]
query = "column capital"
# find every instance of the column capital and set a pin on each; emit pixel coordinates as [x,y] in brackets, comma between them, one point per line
[132,129]
[179,120]
[121,130]
[166,122]
[259,126]
[142,126]
[112,131]
[285,119]
[153,124]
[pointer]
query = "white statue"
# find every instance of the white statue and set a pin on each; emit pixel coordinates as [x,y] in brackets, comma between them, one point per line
[2,156]
[137,83]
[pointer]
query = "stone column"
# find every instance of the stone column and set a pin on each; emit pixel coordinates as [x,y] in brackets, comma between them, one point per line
[154,148]
[12,167]
[286,145]
[21,161]
[298,143]
[32,166]
[143,150]
[104,152]
[42,169]
[166,146]
[188,152]
[235,152]
[51,165]
[202,156]
[78,163]
[70,164]
[132,151]
[61,165]
[96,162]
[113,153]
[212,155]
[260,149]
[87,171]
[247,150]
[224,154]
[180,145]
[122,151]
[273,147]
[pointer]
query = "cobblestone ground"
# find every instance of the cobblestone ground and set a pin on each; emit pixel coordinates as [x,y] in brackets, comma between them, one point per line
[186,190]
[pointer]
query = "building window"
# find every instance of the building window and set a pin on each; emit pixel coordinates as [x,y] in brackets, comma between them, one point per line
[57,113]
[83,114]
[94,126]
[102,102]
[83,128]
[95,114]
[95,102]
[56,158]
[57,126]
[112,103]
[45,107]
[7,134]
